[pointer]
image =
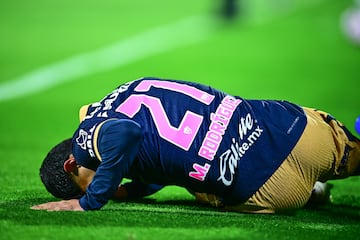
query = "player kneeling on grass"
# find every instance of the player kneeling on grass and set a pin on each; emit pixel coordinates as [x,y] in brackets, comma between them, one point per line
[243,155]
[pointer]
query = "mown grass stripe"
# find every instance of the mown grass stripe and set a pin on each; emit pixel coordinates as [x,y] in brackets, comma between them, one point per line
[154,41]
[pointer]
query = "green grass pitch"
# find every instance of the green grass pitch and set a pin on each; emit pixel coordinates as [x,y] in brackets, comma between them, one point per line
[276,49]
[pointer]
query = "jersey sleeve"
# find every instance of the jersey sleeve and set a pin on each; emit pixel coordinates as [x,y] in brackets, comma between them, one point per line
[82,112]
[117,145]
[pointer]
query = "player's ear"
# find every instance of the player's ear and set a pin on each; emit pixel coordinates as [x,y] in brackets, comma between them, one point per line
[70,165]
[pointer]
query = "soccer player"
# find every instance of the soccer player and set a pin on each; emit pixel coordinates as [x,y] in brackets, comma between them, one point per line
[245,155]
[229,8]
[350,22]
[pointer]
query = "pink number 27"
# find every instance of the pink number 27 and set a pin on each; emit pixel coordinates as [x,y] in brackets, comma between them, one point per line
[181,136]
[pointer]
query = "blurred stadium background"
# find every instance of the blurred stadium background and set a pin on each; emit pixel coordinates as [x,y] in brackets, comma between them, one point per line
[57,56]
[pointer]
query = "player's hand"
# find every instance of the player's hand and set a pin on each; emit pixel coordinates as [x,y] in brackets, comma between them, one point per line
[120,194]
[64,205]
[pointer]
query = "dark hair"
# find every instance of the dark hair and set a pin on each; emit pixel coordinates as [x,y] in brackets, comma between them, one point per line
[53,175]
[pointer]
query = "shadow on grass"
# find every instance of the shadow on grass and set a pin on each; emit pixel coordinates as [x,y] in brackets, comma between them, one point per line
[171,213]
[340,211]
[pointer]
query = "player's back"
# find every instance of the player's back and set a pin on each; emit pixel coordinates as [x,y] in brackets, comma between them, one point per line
[200,138]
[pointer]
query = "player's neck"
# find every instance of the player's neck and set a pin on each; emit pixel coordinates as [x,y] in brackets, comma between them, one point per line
[83,178]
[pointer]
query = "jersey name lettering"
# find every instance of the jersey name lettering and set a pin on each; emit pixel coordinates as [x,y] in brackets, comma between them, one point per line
[219,123]
[200,171]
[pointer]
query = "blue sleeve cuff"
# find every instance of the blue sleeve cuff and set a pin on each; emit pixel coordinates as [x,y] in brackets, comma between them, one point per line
[90,203]
[83,203]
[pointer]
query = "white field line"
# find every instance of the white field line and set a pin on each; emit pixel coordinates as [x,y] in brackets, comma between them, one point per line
[160,39]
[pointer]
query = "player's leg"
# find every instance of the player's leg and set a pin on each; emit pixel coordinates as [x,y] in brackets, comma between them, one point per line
[347,158]
[320,194]
[326,150]
[292,184]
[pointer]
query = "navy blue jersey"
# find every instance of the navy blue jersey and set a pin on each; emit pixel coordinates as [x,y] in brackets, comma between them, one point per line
[171,132]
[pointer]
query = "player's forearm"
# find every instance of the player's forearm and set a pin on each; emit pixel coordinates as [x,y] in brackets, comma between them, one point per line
[105,182]
[118,144]
[100,190]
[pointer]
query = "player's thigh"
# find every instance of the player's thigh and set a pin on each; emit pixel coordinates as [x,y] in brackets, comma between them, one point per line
[291,185]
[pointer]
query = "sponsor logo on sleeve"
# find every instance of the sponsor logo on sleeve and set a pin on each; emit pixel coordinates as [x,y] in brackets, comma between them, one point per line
[84,140]
[81,139]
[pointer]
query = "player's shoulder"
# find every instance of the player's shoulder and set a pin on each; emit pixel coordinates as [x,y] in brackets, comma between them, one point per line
[121,126]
